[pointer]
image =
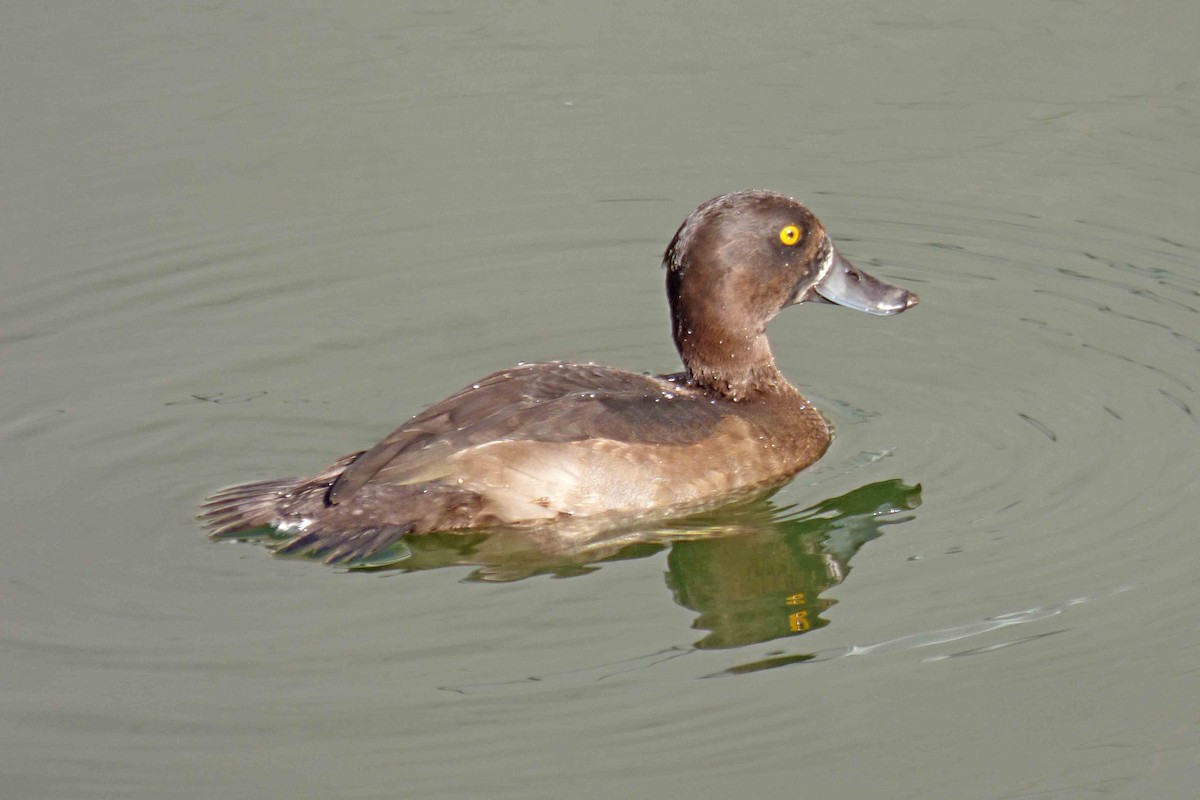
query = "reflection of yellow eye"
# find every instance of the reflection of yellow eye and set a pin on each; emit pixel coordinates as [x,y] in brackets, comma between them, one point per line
[789,235]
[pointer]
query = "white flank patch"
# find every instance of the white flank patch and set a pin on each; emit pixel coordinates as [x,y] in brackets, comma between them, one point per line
[296,525]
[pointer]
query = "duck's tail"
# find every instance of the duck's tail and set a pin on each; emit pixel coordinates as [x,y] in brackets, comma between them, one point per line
[286,504]
[295,505]
[342,533]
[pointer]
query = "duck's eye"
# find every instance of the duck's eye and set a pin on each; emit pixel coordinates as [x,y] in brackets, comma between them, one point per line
[789,235]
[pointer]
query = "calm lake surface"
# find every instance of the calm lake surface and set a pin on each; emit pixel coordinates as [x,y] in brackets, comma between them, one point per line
[241,239]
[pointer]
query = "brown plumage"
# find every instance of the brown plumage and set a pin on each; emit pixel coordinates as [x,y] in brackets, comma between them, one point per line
[575,448]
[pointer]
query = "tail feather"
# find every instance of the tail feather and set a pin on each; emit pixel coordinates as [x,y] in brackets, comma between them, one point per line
[248,491]
[379,517]
[268,504]
[248,506]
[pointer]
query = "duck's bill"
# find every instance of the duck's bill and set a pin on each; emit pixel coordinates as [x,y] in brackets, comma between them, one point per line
[844,284]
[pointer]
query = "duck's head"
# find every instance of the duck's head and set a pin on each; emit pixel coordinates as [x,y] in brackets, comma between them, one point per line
[735,263]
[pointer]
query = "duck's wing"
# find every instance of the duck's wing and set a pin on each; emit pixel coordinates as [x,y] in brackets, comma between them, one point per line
[549,402]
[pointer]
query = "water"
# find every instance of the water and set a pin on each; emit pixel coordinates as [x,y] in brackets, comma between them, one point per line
[241,240]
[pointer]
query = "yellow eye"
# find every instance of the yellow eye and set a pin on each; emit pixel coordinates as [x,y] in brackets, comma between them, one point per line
[789,235]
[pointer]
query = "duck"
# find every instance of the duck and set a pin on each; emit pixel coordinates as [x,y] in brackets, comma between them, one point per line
[570,449]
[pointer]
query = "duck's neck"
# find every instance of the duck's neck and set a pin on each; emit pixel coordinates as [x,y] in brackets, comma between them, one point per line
[736,365]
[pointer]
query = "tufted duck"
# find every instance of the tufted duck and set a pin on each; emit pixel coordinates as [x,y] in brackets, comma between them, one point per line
[578,448]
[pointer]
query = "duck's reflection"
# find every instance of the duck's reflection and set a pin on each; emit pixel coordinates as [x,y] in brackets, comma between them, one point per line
[752,572]
[762,576]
